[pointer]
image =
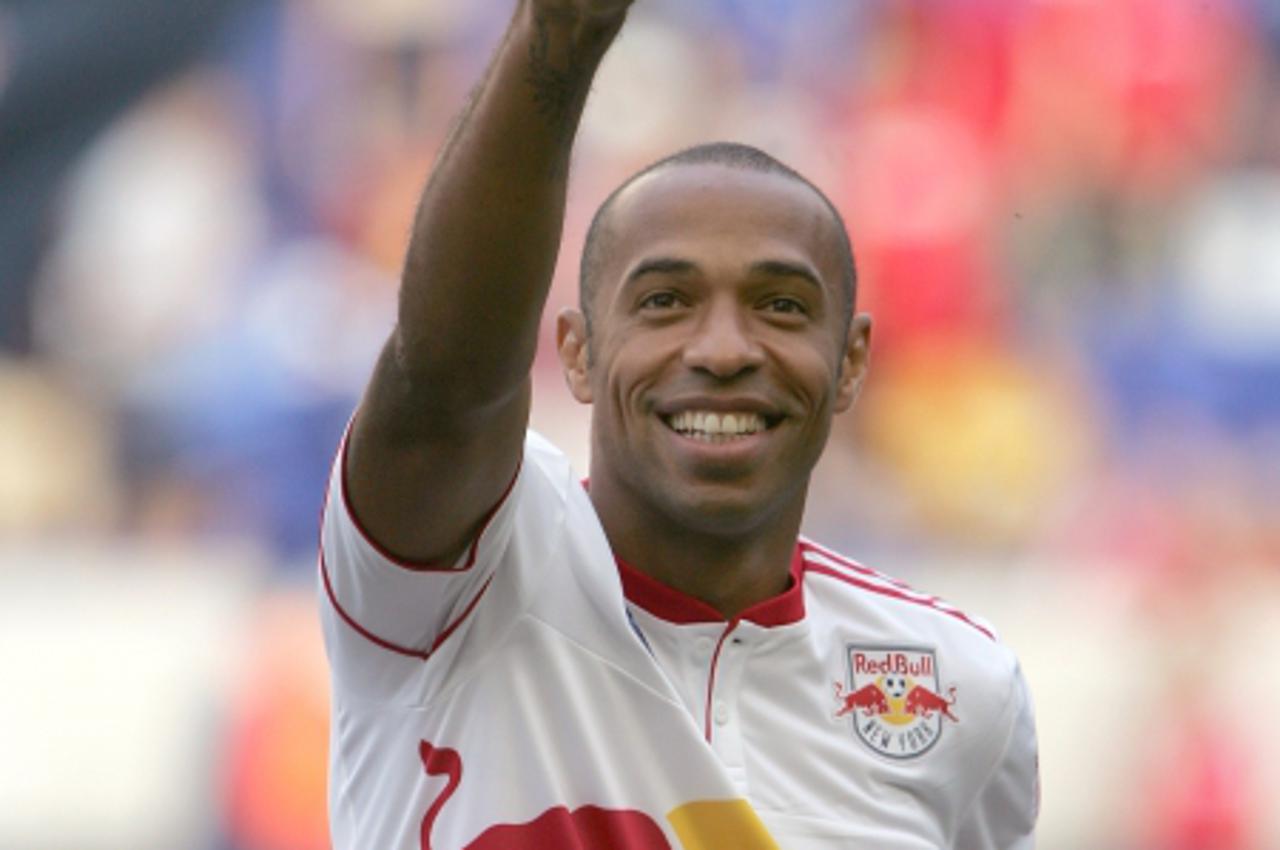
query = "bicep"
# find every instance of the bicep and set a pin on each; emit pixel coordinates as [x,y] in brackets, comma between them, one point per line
[426,461]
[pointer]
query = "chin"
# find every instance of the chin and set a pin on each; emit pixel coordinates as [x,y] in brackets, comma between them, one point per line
[720,511]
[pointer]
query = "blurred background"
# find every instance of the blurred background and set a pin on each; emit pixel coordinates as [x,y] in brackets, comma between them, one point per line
[1067,221]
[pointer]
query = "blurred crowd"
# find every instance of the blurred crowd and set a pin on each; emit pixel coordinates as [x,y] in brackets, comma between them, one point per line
[1066,216]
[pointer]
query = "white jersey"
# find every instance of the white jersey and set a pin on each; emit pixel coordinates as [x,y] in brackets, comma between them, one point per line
[539,694]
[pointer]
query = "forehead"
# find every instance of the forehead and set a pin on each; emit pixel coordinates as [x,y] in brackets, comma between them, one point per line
[719,214]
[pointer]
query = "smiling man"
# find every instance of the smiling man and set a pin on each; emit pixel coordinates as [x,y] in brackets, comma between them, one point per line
[720,342]
[659,660]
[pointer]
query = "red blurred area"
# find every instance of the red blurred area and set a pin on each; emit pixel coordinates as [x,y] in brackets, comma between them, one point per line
[277,742]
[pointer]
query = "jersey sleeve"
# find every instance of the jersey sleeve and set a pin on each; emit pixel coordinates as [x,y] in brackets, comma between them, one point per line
[374,599]
[1003,816]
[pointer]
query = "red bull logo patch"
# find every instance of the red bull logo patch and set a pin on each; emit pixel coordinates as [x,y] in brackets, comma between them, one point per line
[893,698]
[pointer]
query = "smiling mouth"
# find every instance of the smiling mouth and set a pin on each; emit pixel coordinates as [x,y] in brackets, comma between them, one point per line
[718,427]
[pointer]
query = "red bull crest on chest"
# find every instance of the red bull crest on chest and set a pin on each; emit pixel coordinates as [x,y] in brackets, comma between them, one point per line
[893,698]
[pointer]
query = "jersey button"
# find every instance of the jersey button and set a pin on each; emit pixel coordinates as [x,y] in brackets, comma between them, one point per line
[721,713]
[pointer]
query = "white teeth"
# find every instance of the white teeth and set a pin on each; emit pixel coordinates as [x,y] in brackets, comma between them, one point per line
[706,425]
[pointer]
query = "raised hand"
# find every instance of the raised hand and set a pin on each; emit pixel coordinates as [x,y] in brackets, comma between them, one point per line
[568,38]
[441,428]
[603,11]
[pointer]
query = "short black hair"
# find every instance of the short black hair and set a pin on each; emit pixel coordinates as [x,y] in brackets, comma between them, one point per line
[729,155]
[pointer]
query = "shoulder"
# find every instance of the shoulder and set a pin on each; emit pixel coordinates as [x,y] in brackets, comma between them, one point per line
[546,477]
[544,454]
[944,665]
[850,596]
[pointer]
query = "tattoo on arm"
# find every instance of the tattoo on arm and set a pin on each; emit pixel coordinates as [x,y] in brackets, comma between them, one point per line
[557,92]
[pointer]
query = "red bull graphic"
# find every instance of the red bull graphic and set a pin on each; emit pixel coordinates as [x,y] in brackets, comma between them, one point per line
[894,700]
[700,825]
[923,702]
[869,698]
[585,827]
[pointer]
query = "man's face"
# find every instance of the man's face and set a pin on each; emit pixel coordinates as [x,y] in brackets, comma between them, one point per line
[718,351]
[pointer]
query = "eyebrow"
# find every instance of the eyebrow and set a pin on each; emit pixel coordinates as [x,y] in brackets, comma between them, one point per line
[786,268]
[662,265]
[766,268]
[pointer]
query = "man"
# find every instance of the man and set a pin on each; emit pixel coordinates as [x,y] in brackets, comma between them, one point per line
[654,659]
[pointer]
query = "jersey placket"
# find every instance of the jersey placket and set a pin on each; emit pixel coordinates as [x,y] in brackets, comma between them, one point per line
[721,710]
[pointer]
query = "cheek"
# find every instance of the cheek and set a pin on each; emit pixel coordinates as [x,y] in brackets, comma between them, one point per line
[634,366]
[811,374]
[618,385]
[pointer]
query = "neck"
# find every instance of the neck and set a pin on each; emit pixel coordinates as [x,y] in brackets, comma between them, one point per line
[729,569]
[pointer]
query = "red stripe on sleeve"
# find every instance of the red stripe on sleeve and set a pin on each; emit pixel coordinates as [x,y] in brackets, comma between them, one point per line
[361,630]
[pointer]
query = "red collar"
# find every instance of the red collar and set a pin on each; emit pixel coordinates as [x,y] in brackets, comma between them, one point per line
[674,606]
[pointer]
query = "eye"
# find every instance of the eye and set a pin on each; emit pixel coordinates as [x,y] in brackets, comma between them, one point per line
[785,304]
[663,299]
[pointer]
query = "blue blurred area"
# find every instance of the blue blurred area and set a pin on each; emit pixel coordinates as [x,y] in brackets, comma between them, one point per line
[232,424]
[69,69]
[1148,367]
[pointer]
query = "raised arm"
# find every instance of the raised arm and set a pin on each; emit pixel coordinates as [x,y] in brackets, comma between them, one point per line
[439,433]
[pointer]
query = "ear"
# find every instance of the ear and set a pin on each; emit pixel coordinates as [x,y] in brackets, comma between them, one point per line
[853,365]
[571,344]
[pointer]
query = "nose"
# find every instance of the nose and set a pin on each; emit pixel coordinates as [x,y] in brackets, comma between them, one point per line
[722,343]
